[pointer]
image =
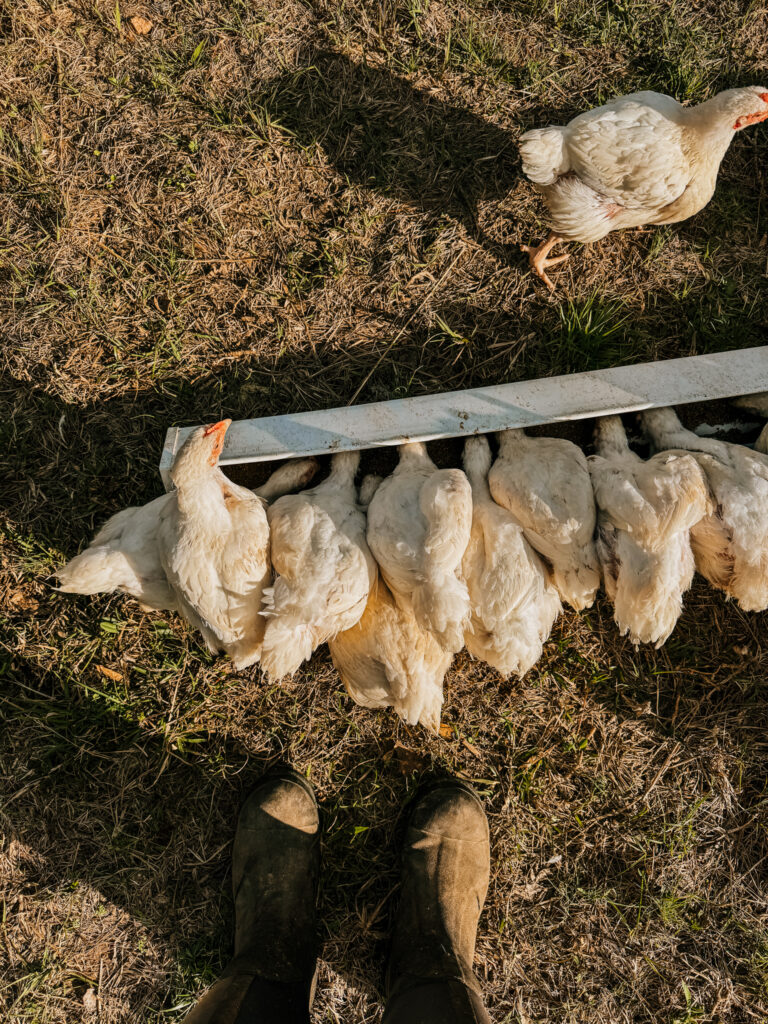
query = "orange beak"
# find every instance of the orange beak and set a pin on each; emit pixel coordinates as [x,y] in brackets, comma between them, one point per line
[220,430]
[742,122]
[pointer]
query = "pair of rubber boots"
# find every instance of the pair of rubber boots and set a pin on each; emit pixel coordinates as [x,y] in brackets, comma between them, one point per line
[276,860]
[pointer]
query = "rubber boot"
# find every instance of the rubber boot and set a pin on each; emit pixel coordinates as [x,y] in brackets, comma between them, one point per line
[275,863]
[446,865]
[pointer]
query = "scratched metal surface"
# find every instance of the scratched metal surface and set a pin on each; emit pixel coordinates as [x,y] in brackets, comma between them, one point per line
[485,410]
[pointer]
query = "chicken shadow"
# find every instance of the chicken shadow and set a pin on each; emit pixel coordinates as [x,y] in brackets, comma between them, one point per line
[379,131]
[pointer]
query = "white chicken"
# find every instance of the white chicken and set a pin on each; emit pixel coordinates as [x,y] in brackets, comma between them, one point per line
[213,541]
[544,482]
[124,556]
[730,545]
[514,606]
[640,159]
[646,510]
[419,522]
[387,659]
[324,570]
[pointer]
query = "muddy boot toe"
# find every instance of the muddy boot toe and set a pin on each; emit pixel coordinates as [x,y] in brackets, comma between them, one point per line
[445,872]
[275,865]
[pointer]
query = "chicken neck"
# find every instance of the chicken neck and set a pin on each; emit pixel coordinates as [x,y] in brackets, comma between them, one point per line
[204,502]
[414,455]
[666,431]
[611,437]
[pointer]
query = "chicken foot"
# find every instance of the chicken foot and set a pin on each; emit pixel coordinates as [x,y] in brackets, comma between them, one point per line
[537,257]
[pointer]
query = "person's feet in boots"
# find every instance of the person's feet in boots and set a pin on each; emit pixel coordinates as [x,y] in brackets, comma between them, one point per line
[446,864]
[275,864]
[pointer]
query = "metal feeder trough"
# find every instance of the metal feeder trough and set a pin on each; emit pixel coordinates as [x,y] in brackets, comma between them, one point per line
[524,403]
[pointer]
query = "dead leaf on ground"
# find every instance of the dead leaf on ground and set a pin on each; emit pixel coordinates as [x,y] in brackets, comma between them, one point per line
[409,760]
[23,602]
[446,731]
[110,673]
[141,26]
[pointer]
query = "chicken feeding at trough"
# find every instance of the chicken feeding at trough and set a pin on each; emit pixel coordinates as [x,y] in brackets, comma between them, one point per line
[646,510]
[731,544]
[419,522]
[513,604]
[213,541]
[387,659]
[324,569]
[544,482]
[640,159]
[124,556]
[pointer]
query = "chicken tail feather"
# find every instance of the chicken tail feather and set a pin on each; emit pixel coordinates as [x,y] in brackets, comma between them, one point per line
[544,155]
[749,584]
[94,571]
[286,645]
[578,587]
[442,606]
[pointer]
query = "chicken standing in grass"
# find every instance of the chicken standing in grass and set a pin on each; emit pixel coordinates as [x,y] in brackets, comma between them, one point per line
[124,556]
[419,522]
[731,544]
[640,159]
[324,569]
[514,606]
[387,659]
[544,482]
[646,510]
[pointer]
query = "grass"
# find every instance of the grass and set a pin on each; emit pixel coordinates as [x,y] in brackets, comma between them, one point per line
[234,215]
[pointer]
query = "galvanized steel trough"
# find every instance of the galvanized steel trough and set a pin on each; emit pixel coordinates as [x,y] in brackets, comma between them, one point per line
[485,410]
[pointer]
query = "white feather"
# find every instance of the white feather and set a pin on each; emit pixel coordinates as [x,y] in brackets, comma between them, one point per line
[513,604]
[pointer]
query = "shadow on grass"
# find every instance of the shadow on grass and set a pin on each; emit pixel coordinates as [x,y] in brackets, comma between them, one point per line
[381,132]
[108,808]
[100,798]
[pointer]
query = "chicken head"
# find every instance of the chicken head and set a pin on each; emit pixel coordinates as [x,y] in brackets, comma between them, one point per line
[199,453]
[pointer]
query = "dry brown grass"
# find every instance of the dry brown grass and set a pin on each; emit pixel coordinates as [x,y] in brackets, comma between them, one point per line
[234,215]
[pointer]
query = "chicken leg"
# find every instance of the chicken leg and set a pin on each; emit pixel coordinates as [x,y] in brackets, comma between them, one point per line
[537,257]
